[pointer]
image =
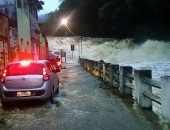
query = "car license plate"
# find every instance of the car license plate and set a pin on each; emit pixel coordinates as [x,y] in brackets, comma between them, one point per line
[24,94]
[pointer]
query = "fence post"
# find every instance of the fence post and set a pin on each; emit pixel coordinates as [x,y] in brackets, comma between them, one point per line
[128,70]
[93,70]
[124,70]
[88,65]
[111,67]
[92,66]
[107,72]
[85,64]
[103,71]
[100,68]
[165,97]
[116,75]
[96,71]
[140,87]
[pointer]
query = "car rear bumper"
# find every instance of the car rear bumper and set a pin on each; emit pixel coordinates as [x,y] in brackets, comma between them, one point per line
[36,94]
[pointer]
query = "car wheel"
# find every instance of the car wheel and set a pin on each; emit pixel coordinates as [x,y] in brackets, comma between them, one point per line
[52,95]
[57,91]
[51,99]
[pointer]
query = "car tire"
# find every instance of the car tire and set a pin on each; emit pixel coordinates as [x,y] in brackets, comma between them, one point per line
[57,91]
[52,95]
[51,99]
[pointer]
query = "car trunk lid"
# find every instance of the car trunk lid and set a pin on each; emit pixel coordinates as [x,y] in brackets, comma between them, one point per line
[24,82]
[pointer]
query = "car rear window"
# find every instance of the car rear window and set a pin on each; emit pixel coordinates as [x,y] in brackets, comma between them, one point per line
[31,69]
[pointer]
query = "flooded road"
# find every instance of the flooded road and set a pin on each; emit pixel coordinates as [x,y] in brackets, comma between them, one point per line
[84,103]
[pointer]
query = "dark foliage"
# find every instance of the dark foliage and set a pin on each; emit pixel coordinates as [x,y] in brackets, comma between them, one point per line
[139,19]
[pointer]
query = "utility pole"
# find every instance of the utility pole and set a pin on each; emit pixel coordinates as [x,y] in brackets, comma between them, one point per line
[72,49]
[61,55]
[81,44]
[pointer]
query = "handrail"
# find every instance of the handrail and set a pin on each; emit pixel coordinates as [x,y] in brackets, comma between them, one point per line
[131,86]
[130,76]
[152,82]
[118,73]
[153,97]
[129,79]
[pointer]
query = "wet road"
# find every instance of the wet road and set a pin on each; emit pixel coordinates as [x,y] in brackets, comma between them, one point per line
[83,104]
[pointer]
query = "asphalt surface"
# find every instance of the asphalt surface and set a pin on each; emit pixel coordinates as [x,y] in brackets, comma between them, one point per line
[84,103]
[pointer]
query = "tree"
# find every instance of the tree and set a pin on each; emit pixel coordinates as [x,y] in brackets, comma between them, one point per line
[140,19]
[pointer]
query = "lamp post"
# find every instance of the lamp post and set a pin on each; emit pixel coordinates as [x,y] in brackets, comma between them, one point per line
[64,22]
[81,44]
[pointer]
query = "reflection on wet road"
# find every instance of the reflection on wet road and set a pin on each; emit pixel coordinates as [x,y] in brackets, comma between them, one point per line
[84,103]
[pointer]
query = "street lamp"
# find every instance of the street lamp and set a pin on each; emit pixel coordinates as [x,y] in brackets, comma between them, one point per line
[64,22]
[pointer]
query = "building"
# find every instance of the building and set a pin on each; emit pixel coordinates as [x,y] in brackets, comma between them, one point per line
[4,41]
[26,39]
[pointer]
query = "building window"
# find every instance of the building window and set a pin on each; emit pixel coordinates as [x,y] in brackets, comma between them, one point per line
[25,4]
[19,4]
[27,44]
[22,44]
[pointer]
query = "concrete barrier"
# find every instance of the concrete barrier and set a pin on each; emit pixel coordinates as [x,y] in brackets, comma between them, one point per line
[140,87]
[138,80]
[124,70]
[165,97]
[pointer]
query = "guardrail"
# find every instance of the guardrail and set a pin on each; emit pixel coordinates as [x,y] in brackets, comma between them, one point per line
[128,79]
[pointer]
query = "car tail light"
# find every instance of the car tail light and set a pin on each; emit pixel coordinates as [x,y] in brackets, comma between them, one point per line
[58,63]
[46,77]
[3,76]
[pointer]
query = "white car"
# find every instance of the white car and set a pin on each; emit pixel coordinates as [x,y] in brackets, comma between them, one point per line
[29,80]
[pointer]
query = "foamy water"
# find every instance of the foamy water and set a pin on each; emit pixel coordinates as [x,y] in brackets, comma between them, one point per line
[151,54]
